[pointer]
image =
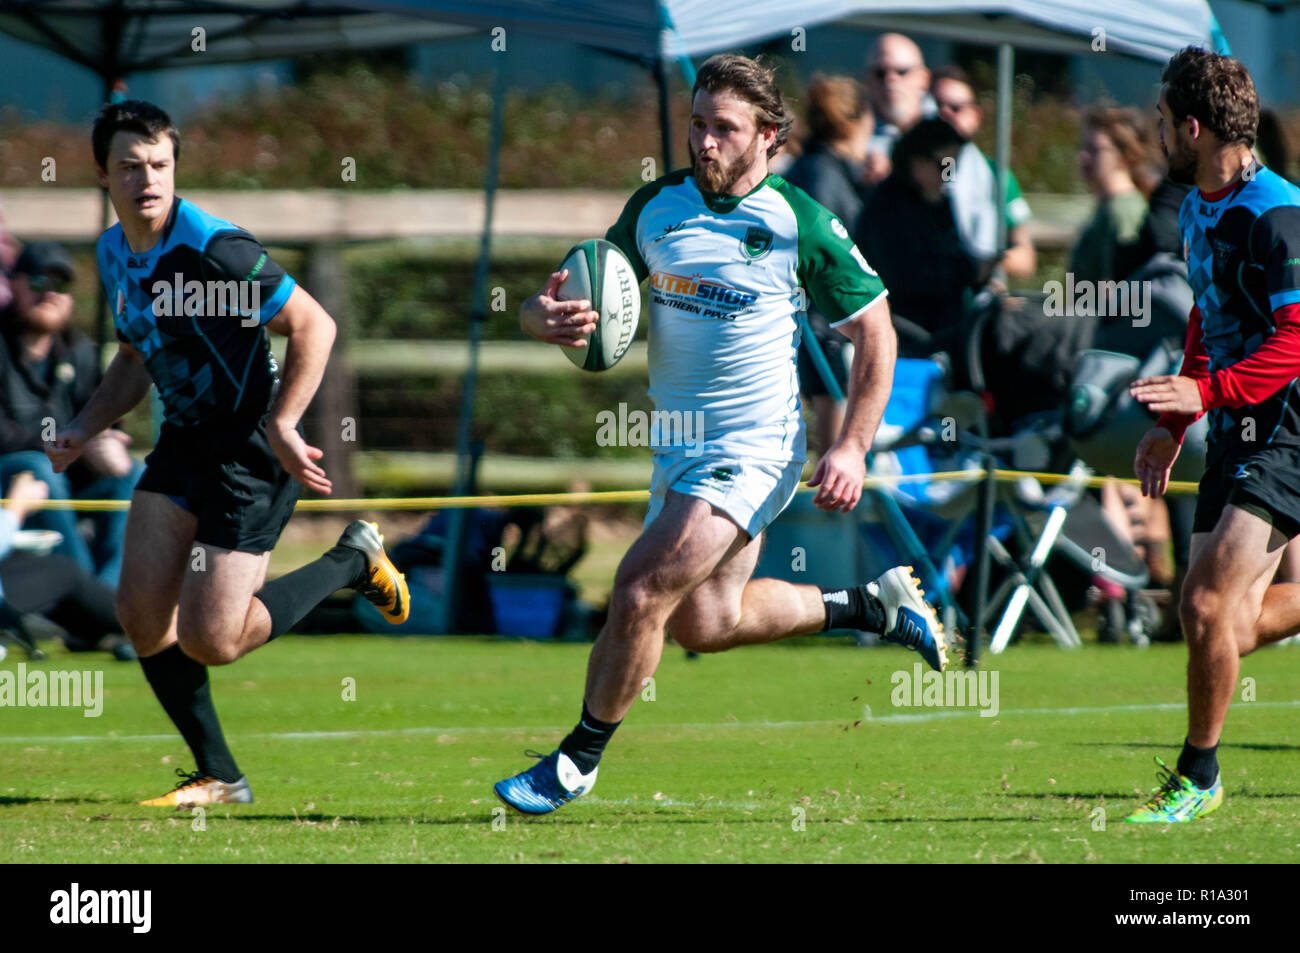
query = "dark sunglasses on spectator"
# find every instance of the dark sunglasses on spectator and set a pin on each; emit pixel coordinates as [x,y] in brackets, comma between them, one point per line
[49,281]
[882,71]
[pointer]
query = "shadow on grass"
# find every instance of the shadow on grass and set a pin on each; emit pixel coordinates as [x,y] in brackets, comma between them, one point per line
[7,800]
[581,819]
[1066,795]
[1129,795]
[1238,745]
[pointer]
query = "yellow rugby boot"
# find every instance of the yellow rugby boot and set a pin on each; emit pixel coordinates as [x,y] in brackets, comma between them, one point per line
[194,789]
[382,584]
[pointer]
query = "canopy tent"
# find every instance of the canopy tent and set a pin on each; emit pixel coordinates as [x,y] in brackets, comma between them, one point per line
[648,29]
[115,38]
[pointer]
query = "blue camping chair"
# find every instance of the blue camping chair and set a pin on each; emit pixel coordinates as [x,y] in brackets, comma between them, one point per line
[928,431]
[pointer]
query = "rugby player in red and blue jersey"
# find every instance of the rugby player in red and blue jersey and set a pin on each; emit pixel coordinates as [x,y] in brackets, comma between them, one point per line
[1241,239]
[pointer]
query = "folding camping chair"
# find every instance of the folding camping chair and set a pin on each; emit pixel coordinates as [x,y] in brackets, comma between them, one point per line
[922,433]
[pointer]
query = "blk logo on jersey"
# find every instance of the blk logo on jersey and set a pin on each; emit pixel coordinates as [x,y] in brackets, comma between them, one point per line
[668,230]
[757,243]
[1223,252]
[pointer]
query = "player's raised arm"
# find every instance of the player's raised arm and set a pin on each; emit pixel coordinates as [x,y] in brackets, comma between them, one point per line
[311,332]
[125,384]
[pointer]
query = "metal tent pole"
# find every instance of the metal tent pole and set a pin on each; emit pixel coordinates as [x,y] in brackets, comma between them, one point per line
[984,519]
[455,541]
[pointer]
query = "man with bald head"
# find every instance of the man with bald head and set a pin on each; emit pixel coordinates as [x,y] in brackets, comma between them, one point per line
[898,86]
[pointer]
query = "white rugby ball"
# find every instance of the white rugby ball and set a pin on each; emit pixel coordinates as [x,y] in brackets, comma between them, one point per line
[601,274]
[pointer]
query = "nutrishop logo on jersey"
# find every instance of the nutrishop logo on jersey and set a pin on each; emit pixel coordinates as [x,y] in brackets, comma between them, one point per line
[694,295]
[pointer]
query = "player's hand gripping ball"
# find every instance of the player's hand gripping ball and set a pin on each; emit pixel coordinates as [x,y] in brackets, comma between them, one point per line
[601,274]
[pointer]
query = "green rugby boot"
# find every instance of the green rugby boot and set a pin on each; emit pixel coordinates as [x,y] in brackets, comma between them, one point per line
[1178,800]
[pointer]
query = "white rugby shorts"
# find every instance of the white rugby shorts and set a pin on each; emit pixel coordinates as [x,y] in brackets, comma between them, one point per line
[752,493]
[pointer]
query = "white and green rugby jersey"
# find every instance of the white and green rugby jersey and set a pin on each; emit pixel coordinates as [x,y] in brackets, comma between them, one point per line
[728,278]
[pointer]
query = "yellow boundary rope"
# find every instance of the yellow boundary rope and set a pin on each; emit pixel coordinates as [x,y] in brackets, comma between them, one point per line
[603,496]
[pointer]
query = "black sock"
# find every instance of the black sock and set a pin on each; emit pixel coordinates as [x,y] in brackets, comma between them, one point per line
[1201,765]
[854,608]
[586,742]
[289,598]
[181,685]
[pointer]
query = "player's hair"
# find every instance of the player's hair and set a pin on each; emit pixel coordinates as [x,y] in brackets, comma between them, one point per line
[753,81]
[1215,90]
[954,73]
[131,115]
[925,140]
[1131,135]
[835,105]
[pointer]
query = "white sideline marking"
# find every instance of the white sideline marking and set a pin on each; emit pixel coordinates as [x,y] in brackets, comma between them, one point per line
[901,719]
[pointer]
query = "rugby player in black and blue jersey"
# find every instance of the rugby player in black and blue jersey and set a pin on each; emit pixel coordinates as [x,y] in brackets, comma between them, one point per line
[1241,239]
[192,298]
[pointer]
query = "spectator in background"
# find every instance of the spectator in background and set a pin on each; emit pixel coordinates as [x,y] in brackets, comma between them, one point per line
[1116,162]
[1160,228]
[897,86]
[8,254]
[909,235]
[48,370]
[975,181]
[830,170]
[1270,144]
[54,586]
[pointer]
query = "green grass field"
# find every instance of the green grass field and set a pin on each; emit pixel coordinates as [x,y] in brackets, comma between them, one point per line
[722,765]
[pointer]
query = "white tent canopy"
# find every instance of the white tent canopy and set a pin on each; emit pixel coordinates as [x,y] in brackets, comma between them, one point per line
[647,29]
[118,37]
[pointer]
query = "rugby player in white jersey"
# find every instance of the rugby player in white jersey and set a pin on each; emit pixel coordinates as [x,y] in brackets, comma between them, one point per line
[729,251]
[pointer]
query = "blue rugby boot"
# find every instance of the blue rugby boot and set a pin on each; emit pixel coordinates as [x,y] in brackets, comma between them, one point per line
[909,619]
[549,784]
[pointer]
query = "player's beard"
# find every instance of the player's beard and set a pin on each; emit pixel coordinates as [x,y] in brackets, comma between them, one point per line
[1183,164]
[719,176]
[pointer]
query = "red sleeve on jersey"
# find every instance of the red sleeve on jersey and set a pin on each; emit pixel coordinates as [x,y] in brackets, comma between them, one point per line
[1258,377]
[1196,365]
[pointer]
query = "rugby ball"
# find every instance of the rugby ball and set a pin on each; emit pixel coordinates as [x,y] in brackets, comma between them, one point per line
[601,274]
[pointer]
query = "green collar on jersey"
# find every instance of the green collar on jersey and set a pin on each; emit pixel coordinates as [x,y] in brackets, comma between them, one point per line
[717,202]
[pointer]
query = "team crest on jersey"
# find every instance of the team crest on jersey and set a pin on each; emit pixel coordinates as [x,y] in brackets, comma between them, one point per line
[1223,252]
[757,243]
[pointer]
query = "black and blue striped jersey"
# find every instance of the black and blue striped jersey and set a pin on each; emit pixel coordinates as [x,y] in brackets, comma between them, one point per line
[1242,246]
[195,306]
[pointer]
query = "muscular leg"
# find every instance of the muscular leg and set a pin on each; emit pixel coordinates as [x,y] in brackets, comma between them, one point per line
[159,535]
[159,538]
[677,552]
[226,611]
[1280,616]
[218,619]
[1222,598]
[729,609]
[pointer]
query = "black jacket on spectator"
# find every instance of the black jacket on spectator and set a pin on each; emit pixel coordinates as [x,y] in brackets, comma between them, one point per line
[57,387]
[1160,231]
[831,181]
[915,247]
